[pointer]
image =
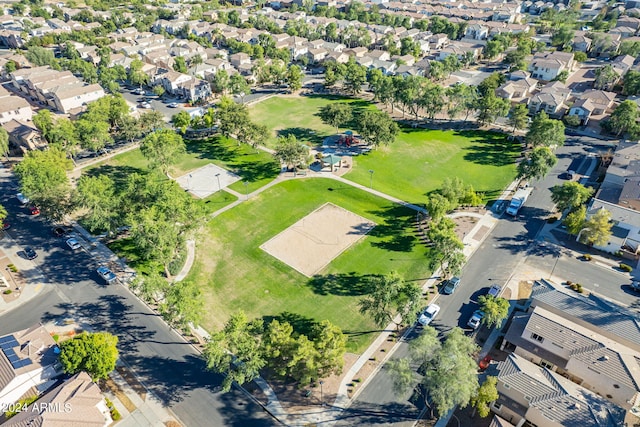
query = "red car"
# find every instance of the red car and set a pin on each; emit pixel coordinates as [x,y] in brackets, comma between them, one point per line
[6,226]
[34,210]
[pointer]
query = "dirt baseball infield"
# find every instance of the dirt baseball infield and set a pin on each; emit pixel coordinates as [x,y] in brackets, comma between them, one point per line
[315,240]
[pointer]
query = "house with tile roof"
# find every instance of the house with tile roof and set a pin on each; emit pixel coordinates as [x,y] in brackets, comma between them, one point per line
[547,66]
[534,394]
[76,402]
[589,359]
[28,358]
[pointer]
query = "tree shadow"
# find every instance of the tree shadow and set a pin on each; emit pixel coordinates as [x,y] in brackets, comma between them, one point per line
[302,134]
[214,148]
[118,174]
[256,171]
[301,324]
[397,233]
[490,148]
[343,284]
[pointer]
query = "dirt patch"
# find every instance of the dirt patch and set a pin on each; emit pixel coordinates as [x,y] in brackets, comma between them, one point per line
[524,289]
[10,282]
[314,241]
[110,385]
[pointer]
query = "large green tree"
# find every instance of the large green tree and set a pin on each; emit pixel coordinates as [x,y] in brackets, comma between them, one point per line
[377,127]
[97,195]
[294,77]
[623,119]
[570,195]
[545,131]
[95,353]
[495,309]
[336,114]
[446,247]
[355,77]
[487,393]
[94,135]
[235,351]
[390,296]
[4,142]
[160,148]
[597,228]
[537,163]
[183,305]
[43,179]
[605,77]
[574,221]
[518,118]
[291,152]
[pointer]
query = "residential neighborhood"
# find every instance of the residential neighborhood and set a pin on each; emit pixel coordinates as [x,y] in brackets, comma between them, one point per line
[340,213]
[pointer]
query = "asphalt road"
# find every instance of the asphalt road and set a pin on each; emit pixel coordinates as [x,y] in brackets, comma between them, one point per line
[511,243]
[168,366]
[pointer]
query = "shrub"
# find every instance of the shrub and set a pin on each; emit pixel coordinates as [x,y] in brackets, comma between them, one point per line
[572,120]
[7,291]
[573,286]
[13,268]
[56,337]
[625,267]
[569,282]
[618,253]
[586,257]
[579,288]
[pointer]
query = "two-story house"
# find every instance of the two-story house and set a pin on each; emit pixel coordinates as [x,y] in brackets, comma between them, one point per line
[550,99]
[13,107]
[548,65]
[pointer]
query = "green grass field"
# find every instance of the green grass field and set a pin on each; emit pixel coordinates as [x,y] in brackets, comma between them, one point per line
[298,115]
[419,160]
[254,167]
[237,275]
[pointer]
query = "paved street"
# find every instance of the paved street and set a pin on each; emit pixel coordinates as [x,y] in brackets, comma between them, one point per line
[511,245]
[165,363]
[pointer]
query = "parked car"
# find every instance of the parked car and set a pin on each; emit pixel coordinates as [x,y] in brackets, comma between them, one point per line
[145,105]
[429,314]
[635,285]
[451,286]
[475,320]
[173,105]
[22,199]
[107,275]
[30,253]
[34,210]
[494,291]
[5,225]
[139,91]
[73,243]
[59,231]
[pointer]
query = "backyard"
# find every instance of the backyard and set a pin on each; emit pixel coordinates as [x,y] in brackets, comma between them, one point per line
[236,274]
[415,164]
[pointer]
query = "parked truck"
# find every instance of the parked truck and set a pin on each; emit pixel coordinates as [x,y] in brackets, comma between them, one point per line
[518,200]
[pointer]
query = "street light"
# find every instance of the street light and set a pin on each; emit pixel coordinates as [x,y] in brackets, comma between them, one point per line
[321,397]
[371,178]
[218,177]
[246,190]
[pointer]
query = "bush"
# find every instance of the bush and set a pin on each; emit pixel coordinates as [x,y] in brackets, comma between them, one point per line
[176,264]
[574,286]
[115,415]
[13,268]
[572,120]
[579,288]
[7,292]
[569,283]
[586,257]
[625,267]
[618,253]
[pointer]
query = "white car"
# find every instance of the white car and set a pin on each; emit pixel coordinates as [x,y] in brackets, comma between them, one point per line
[145,105]
[73,244]
[22,198]
[475,320]
[429,314]
[173,105]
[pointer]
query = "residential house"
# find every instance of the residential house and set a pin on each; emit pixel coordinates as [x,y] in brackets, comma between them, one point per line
[550,99]
[195,90]
[387,67]
[438,41]
[13,107]
[517,90]
[171,80]
[462,50]
[23,137]
[239,58]
[594,361]
[79,402]
[317,55]
[621,64]
[28,359]
[583,109]
[581,43]
[625,32]
[547,66]
[534,395]
[476,32]
[339,57]
[357,52]
[602,100]
[408,70]
[72,97]
[404,59]
[381,55]
[628,21]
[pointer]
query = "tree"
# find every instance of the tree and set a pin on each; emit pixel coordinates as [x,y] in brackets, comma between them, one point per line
[563,37]
[294,78]
[95,353]
[239,86]
[597,228]
[184,304]
[518,117]
[43,179]
[151,287]
[487,393]
[623,118]
[160,148]
[336,114]
[377,127]
[3,216]
[40,56]
[605,77]
[179,64]
[451,378]
[490,107]
[631,83]
[4,142]
[330,344]
[158,90]
[545,131]
[136,76]
[570,195]
[44,122]
[232,117]
[93,135]
[575,220]
[182,121]
[97,194]
[580,56]
[495,309]
[437,206]
[220,83]
[151,121]
[235,351]
[64,135]
[390,296]
[446,247]
[537,163]
[421,351]
[354,77]
[290,152]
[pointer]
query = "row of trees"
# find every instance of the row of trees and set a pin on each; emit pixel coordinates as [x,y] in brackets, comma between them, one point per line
[244,347]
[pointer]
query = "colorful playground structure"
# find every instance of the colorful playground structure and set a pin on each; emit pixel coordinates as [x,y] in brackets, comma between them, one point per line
[348,139]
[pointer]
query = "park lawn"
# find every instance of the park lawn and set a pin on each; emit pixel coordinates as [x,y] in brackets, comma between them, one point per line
[255,167]
[419,160]
[298,115]
[235,274]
